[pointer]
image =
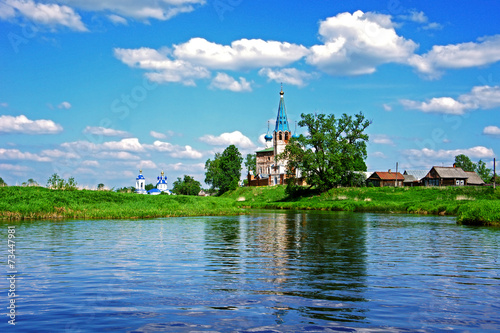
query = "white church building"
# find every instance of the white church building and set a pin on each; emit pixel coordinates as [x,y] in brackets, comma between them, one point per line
[161,185]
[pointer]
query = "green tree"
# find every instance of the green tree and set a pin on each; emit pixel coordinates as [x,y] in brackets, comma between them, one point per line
[70,184]
[483,171]
[464,162]
[55,182]
[149,187]
[100,187]
[330,152]
[186,186]
[251,163]
[2,182]
[224,171]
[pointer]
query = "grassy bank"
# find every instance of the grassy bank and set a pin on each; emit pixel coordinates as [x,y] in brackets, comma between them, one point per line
[42,203]
[471,205]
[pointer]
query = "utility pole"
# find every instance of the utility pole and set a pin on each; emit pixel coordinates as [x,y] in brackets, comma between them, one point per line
[494,173]
[396,183]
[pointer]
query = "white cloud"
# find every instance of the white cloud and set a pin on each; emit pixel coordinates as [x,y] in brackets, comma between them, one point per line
[481,97]
[58,154]
[116,19]
[21,124]
[116,155]
[492,130]
[161,68]
[128,144]
[387,107]
[90,163]
[290,76]
[486,51]
[50,14]
[378,154]
[64,105]
[235,138]
[449,155]
[157,135]
[381,139]
[414,16]
[357,43]
[175,151]
[225,82]
[4,105]
[12,167]
[197,167]
[140,10]
[15,154]
[241,54]
[105,131]
[148,164]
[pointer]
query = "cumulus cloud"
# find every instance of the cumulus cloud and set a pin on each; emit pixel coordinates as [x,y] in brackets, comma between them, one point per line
[160,67]
[492,130]
[454,56]
[225,82]
[378,154]
[64,105]
[175,151]
[290,76]
[104,131]
[128,144]
[15,154]
[357,43]
[241,54]
[12,167]
[234,138]
[381,139]
[21,124]
[480,97]
[116,19]
[157,135]
[49,14]
[438,155]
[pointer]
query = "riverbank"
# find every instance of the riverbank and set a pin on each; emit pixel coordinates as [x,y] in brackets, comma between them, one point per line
[471,205]
[17,203]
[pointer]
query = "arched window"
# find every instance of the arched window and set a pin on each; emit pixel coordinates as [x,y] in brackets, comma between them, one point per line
[281,136]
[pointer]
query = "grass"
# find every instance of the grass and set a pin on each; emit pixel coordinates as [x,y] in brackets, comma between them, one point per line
[43,203]
[471,205]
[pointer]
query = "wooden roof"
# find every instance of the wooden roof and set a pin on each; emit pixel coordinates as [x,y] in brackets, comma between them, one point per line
[387,175]
[474,178]
[448,172]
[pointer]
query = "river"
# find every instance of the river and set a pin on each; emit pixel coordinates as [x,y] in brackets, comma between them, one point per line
[270,271]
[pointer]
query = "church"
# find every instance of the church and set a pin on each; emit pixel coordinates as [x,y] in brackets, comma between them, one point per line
[161,185]
[271,171]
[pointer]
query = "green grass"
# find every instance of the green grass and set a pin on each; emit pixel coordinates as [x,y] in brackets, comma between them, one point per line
[39,202]
[471,205]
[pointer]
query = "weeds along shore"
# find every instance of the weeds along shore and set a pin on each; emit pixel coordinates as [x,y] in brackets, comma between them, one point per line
[471,205]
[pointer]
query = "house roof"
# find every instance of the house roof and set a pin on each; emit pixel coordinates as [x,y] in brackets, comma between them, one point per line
[474,178]
[265,150]
[417,174]
[409,178]
[450,172]
[387,175]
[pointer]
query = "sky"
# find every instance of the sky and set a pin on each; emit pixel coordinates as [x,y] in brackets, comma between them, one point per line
[97,90]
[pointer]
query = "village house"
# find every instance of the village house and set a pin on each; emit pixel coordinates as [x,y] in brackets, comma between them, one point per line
[382,179]
[474,179]
[446,176]
[414,177]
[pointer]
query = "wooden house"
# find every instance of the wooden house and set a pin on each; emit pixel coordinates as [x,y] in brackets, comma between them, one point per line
[445,176]
[382,179]
[414,177]
[474,179]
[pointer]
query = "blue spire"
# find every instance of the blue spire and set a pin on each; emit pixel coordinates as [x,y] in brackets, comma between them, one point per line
[282,120]
[268,137]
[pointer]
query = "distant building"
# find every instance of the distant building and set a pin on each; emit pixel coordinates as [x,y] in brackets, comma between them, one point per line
[140,184]
[270,170]
[474,179]
[382,179]
[414,177]
[161,185]
[446,176]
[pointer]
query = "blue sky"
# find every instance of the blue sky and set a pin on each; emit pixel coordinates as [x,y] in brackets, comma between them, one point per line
[100,89]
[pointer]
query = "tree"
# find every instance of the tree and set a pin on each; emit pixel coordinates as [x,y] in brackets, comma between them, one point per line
[483,171]
[149,187]
[464,162]
[224,171]
[330,152]
[251,163]
[55,182]
[70,184]
[100,187]
[2,182]
[186,186]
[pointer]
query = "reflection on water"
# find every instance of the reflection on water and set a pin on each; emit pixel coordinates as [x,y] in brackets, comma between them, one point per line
[267,272]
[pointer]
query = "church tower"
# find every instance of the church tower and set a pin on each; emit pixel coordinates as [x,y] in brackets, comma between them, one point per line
[281,134]
[140,182]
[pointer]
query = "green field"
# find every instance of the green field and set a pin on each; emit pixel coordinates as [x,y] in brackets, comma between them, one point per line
[471,205]
[43,203]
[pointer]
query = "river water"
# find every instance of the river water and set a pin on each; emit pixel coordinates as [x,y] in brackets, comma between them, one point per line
[266,272]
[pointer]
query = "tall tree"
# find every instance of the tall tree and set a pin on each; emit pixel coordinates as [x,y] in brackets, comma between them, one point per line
[332,149]
[2,182]
[483,171]
[251,163]
[186,186]
[464,162]
[224,171]
[55,182]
